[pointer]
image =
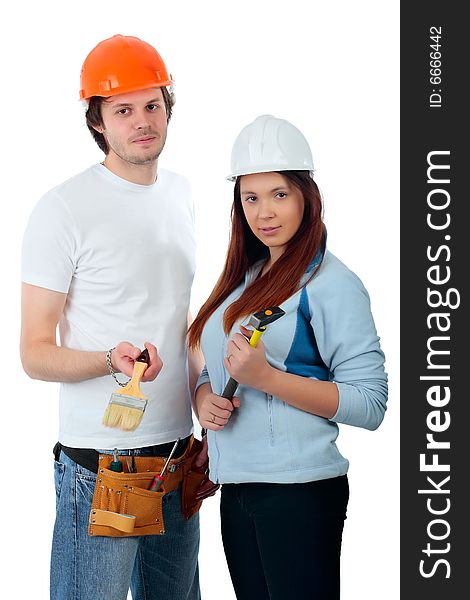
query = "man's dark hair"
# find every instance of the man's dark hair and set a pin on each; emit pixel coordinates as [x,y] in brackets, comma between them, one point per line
[94,118]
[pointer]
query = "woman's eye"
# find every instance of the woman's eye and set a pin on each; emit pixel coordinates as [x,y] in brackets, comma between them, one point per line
[152,107]
[281,195]
[123,111]
[250,198]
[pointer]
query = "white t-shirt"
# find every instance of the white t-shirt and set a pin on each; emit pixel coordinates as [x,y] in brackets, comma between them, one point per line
[124,254]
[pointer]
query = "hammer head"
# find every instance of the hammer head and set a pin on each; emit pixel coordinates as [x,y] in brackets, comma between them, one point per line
[260,319]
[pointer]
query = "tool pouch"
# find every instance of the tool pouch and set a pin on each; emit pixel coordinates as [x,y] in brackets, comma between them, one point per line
[192,480]
[124,506]
[122,503]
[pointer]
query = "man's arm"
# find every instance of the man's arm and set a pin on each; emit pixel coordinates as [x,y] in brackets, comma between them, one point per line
[43,359]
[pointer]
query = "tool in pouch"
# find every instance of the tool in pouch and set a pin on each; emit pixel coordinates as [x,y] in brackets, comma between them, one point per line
[159,479]
[127,405]
[259,321]
[130,503]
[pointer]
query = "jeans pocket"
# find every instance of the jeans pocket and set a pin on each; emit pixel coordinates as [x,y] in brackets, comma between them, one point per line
[59,469]
[169,496]
[84,484]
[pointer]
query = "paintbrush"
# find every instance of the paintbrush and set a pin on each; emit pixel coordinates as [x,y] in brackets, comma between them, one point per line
[127,405]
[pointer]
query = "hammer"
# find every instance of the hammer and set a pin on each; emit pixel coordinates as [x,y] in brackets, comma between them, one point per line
[259,321]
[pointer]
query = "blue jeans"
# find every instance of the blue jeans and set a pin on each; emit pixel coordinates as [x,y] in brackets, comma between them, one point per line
[154,567]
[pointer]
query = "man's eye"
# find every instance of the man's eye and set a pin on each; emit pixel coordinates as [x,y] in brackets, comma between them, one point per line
[123,111]
[152,107]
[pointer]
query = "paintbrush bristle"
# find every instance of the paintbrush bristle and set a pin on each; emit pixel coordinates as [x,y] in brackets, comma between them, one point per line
[124,412]
[122,417]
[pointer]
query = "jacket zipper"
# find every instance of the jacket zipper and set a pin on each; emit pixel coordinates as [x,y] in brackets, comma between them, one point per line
[269,399]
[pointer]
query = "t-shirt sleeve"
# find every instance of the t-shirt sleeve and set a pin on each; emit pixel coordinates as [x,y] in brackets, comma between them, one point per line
[203,378]
[49,249]
[350,347]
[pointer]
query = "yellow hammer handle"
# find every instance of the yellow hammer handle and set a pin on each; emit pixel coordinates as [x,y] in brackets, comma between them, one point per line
[255,336]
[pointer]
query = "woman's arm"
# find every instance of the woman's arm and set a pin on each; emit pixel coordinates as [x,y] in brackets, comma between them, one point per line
[249,366]
[348,344]
[195,366]
[318,397]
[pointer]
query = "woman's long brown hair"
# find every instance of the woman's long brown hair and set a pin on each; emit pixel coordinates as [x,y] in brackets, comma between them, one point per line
[283,278]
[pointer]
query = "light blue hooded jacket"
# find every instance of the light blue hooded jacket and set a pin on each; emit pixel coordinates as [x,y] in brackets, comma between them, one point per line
[327,333]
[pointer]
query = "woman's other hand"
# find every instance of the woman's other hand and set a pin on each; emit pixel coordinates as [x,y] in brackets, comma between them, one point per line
[214,411]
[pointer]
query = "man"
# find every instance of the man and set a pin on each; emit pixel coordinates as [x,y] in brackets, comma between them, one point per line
[108,256]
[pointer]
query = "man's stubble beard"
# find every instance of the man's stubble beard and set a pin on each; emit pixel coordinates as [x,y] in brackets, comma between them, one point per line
[137,160]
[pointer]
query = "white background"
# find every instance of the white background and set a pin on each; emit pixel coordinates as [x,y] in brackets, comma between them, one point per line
[331,68]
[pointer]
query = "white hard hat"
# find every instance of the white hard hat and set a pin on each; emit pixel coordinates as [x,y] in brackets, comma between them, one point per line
[270,144]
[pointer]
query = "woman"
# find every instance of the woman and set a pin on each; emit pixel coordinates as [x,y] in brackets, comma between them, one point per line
[284,485]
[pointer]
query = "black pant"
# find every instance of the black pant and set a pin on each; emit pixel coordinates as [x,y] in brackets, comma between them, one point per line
[283,541]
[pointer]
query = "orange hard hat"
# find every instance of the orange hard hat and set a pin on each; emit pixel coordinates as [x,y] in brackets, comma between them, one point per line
[121,64]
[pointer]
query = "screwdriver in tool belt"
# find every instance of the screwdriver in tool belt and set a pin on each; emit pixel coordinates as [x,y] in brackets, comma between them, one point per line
[116,465]
[158,479]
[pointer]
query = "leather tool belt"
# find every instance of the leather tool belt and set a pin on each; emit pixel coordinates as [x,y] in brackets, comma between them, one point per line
[123,505]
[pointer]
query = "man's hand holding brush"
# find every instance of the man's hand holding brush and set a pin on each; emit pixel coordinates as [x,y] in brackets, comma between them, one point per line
[127,405]
[124,355]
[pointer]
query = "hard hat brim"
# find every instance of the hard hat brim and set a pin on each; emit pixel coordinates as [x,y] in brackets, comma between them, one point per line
[127,89]
[234,176]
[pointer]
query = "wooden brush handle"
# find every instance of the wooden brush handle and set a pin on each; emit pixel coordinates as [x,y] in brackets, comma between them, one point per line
[138,373]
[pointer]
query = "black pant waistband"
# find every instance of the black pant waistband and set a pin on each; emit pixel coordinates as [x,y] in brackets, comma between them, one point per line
[88,457]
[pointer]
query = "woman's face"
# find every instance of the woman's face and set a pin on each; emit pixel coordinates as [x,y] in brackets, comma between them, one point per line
[273,208]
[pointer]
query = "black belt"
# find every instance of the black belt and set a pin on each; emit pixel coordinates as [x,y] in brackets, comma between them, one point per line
[88,457]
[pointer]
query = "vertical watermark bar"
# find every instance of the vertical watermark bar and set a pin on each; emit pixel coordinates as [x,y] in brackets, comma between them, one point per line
[435,335]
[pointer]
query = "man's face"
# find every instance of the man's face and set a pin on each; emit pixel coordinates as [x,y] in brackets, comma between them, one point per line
[135,125]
